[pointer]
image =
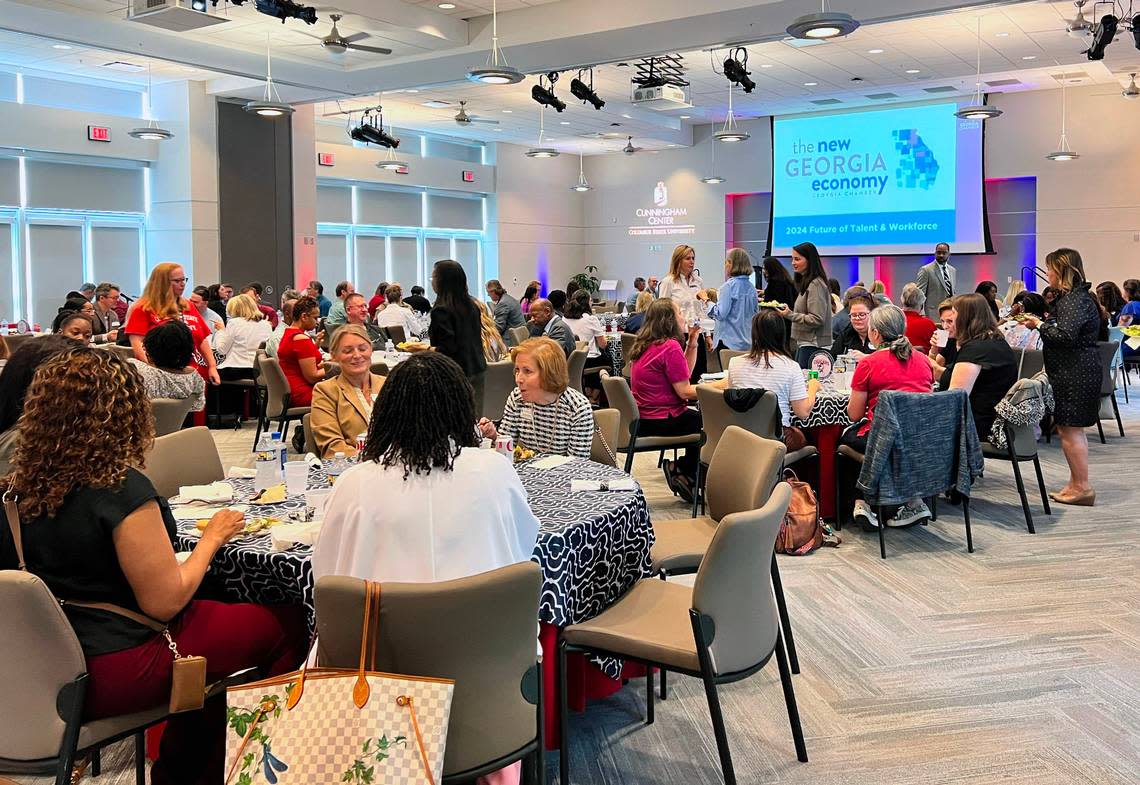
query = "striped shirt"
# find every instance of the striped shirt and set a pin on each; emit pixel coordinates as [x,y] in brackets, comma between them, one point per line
[565,427]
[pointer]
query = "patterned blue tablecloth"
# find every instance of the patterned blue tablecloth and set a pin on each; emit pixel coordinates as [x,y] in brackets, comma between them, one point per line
[830,409]
[592,546]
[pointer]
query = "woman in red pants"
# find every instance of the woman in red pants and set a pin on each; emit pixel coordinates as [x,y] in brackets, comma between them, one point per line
[96,531]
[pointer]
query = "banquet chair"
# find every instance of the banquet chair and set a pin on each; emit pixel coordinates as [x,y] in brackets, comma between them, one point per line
[805,353]
[627,340]
[576,365]
[763,419]
[380,368]
[396,334]
[517,335]
[500,382]
[722,629]
[726,356]
[482,635]
[607,422]
[275,403]
[581,344]
[124,352]
[169,414]
[1108,353]
[310,442]
[1021,445]
[187,457]
[1032,362]
[619,396]
[16,340]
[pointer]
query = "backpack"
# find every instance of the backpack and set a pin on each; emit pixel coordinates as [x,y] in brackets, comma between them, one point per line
[801,531]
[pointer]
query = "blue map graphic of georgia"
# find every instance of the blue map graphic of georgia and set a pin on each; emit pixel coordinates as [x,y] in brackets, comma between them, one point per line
[917,167]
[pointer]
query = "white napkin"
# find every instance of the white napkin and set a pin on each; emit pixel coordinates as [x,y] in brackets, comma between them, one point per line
[286,535]
[617,484]
[241,473]
[193,512]
[214,493]
[550,461]
[313,460]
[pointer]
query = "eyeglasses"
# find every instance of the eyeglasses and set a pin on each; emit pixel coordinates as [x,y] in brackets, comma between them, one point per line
[179,280]
[860,315]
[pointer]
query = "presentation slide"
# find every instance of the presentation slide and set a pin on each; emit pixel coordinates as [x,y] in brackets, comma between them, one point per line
[889,181]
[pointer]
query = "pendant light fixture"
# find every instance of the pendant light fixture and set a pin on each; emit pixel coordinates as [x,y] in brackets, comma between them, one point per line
[826,24]
[270,104]
[497,70]
[1063,152]
[540,151]
[151,132]
[978,109]
[581,186]
[730,133]
[389,162]
[712,178]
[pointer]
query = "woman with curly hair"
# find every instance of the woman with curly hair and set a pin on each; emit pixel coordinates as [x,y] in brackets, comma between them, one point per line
[462,510]
[95,531]
[161,301]
[15,380]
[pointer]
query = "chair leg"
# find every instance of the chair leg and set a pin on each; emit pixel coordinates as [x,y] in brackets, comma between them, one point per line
[262,414]
[1116,411]
[966,515]
[649,693]
[785,620]
[838,497]
[563,717]
[882,526]
[718,723]
[1021,490]
[697,487]
[96,763]
[934,507]
[1100,430]
[1041,485]
[140,759]
[790,702]
[540,733]
[629,459]
[663,694]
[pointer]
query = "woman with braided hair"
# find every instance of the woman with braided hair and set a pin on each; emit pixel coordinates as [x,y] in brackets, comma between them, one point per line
[461,510]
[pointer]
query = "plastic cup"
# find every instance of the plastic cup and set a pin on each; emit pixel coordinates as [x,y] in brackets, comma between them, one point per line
[296,477]
[317,499]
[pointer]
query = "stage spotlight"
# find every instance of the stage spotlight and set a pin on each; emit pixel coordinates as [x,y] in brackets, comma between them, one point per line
[1136,31]
[546,97]
[583,93]
[286,9]
[1102,34]
[372,134]
[737,70]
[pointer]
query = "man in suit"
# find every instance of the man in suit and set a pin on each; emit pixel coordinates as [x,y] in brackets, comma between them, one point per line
[508,312]
[106,321]
[937,280]
[545,322]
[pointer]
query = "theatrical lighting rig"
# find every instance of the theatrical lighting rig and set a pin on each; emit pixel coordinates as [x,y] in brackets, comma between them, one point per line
[583,93]
[281,9]
[660,71]
[371,130]
[1102,34]
[736,69]
[545,95]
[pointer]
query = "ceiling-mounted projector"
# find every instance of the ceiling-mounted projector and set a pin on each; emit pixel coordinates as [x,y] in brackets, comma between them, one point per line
[176,15]
[660,98]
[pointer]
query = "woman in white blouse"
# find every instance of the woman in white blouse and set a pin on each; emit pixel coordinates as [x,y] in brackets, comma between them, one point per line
[396,314]
[461,510]
[586,327]
[244,332]
[684,286]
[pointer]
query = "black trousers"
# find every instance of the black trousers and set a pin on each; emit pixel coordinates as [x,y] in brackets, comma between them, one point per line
[227,400]
[684,424]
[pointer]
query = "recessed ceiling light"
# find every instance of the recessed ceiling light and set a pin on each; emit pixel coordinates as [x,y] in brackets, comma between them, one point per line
[508,111]
[765,65]
[874,51]
[1002,34]
[1029,57]
[810,84]
[912,70]
[411,90]
[564,122]
[446,6]
[61,46]
[627,117]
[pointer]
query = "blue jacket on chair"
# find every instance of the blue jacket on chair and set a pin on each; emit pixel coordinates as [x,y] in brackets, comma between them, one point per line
[920,444]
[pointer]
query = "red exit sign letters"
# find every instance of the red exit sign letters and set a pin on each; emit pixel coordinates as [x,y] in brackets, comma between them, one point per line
[325,159]
[98,133]
[468,176]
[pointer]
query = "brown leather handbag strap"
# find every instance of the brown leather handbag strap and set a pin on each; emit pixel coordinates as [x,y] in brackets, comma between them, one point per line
[13,516]
[119,610]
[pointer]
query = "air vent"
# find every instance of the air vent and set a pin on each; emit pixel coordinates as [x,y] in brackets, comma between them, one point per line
[881,96]
[1003,82]
[801,43]
[942,89]
[433,104]
[122,65]
[825,101]
[1072,76]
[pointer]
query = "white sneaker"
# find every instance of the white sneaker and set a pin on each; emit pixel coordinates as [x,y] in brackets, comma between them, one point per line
[864,515]
[908,514]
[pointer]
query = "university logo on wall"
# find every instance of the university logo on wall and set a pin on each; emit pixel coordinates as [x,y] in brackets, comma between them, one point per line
[661,195]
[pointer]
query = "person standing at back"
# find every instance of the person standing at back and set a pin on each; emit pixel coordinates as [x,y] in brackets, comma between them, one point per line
[456,327]
[507,311]
[811,316]
[684,286]
[736,303]
[778,284]
[938,280]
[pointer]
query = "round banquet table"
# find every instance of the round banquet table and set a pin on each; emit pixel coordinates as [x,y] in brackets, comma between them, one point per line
[592,547]
[823,426]
[614,324]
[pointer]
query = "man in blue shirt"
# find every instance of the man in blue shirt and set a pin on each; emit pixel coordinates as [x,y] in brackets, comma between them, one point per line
[638,288]
[317,292]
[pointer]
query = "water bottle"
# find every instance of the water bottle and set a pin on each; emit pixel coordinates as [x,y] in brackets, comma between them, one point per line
[4,327]
[281,449]
[335,468]
[265,464]
[389,346]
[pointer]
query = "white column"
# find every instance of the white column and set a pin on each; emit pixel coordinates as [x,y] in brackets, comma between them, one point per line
[304,194]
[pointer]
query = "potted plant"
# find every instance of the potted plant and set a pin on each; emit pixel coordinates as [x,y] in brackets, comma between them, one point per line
[586,280]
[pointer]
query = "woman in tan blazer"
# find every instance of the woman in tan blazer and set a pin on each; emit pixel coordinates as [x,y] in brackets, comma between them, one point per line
[342,406]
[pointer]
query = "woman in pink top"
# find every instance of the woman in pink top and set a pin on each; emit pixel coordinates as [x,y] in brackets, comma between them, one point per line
[659,380]
[895,366]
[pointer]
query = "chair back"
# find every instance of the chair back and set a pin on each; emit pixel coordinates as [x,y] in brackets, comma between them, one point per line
[621,398]
[380,369]
[187,457]
[762,419]
[276,385]
[576,364]
[1032,363]
[310,442]
[516,335]
[500,381]
[16,340]
[734,587]
[124,352]
[396,333]
[742,472]
[1024,440]
[805,353]
[607,425]
[479,631]
[169,413]
[627,340]
[726,356]
[1108,350]
[41,657]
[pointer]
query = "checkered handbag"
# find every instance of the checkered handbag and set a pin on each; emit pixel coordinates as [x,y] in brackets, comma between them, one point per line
[338,725]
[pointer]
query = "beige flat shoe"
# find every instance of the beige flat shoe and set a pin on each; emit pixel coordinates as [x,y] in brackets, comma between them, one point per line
[1086,499]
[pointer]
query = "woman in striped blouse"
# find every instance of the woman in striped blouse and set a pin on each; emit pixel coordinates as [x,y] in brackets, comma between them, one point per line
[543,413]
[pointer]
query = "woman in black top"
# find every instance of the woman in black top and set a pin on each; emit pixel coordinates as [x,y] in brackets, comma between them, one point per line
[455,325]
[778,284]
[1072,361]
[94,530]
[988,290]
[984,366]
[853,337]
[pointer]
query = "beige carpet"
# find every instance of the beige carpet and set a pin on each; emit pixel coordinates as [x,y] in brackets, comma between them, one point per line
[1017,664]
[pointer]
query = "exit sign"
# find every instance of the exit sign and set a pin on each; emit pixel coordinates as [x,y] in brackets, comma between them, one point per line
[98,133]
[402,170]
[468,176]
[325,159]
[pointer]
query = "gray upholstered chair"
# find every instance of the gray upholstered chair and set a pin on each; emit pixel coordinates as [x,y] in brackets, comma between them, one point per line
[607,423]
[1021,445]
[481,634]
[307,429]
[396,334]
[1031,363]
[575,366]
[187,457]
[627,340]
[726,356]
[762,419]
[124,352]
[723,629]
[380,368]
[516,335]
[276,401]
[500,381]
[1109,408]
[169,414]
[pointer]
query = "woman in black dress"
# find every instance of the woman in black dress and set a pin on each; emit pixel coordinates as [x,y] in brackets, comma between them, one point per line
[455,325]
[778,284]
[1072,362]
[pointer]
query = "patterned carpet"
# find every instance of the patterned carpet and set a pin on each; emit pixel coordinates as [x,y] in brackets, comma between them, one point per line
[1017,664]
